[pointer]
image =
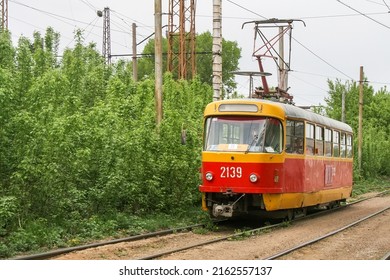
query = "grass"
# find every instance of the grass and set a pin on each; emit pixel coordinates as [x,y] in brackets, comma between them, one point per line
[371,185]
[40,236]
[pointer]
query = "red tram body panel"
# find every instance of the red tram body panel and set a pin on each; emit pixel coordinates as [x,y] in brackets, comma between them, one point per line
[248,161]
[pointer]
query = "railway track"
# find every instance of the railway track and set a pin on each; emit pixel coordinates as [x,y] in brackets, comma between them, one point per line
[55,253]
[241,233]
[261,229]
[320,238]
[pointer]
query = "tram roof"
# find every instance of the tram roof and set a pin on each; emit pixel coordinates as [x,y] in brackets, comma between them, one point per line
[295,112]
[299,113]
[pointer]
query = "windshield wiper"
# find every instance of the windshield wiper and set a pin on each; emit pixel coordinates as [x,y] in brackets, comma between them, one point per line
[255,138]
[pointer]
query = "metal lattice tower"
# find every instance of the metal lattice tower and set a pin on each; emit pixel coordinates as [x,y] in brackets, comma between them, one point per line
[4,15]
[106,50]
[181,38]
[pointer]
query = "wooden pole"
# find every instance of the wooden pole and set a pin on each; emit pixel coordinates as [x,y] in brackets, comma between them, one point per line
[135,66]
[343,106]
[158,59]
[360,139]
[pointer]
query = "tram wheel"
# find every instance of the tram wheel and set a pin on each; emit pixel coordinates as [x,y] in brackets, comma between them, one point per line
[290,215]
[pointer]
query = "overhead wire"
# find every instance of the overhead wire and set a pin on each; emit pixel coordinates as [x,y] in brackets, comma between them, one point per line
[121,17]
[68,21]
[365,15]
[122,29]
[312,52]
[342,15]
[56,16]
[82,30]
[386,5]
[306,48]
[89,5]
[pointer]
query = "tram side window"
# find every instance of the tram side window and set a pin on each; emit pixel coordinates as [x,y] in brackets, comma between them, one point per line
[328,142]
[319,141]
[273,141]
[342,145]
[309,139]
[294,137]
[336,143]
[349,146]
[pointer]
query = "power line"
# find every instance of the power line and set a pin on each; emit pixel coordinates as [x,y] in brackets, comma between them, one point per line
[68,21]
[343,15]
[386,5]
[365,15]
[139,24]
[89,5]
[314,74]
[323,60]
[320,58]
[47,13]
[90,24]
[246,9]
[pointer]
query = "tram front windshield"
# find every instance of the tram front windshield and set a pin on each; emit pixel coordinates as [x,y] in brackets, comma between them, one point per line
[245,134]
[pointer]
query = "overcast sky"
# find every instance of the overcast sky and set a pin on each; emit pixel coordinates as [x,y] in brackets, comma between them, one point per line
[339,37]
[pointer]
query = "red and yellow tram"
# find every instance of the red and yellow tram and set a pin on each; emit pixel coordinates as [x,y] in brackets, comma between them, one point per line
[263,156]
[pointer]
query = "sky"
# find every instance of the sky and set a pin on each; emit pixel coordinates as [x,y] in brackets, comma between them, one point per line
[339,36]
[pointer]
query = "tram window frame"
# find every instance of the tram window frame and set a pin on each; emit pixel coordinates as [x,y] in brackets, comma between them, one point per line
[319,143]
[349,152]
[294,136]
[328,142]
[343,145]
[309,139]
[230,133]
[336,143]
[273,139]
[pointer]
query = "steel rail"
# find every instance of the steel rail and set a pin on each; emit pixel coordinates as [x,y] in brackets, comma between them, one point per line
[252,231]
[315,240]
[386,257]
[215,240]
[50,254]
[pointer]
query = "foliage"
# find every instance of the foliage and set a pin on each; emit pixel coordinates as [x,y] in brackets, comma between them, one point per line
[231,54]
[79,147]
[376,125]
[377,184]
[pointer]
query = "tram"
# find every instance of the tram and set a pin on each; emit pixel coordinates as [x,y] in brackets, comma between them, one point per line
[261,156]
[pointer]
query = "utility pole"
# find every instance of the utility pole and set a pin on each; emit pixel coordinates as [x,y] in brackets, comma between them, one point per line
[4,15]
[106,36]
[360,131]
[343,106]
[135,66]
[158,65]
[217,49]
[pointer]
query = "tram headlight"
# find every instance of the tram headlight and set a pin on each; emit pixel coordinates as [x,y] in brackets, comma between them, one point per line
[209,176]
[253,178]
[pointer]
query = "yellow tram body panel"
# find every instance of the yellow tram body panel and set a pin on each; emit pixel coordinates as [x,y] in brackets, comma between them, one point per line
[297,200]
[260,109]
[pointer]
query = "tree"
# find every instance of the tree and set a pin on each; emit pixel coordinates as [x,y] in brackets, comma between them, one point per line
[78,143]
[376,120]
[231,54]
